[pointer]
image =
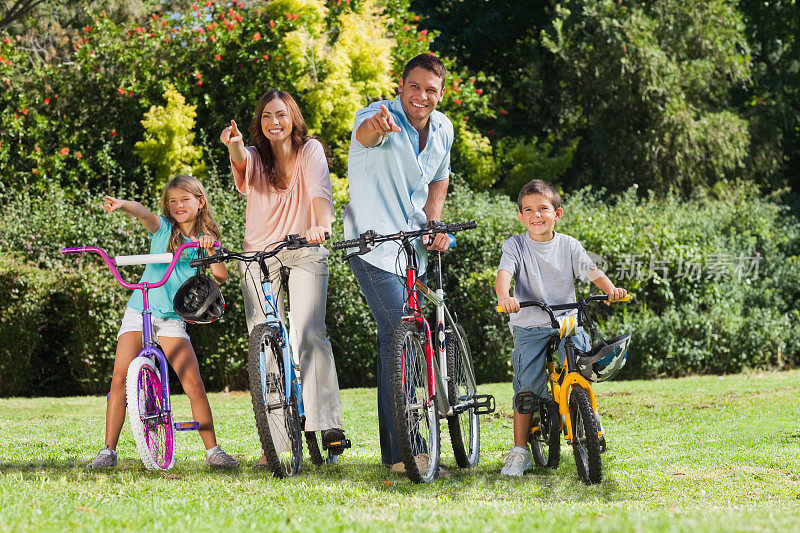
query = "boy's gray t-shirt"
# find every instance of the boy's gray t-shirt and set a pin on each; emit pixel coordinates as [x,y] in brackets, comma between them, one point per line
[545,272]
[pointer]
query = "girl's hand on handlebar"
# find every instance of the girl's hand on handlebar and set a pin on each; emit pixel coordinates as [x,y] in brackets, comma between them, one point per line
[206,242]
[317,234]
[616,294]
[231,134]
[509,304]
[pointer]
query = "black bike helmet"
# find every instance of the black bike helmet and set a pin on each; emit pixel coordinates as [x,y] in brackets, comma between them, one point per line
[605,360]
[199,300]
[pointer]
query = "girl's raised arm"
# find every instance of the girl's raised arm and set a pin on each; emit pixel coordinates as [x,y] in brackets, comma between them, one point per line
[150,221]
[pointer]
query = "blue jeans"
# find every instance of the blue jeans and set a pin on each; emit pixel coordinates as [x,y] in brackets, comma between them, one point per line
[529,358]
[385,293]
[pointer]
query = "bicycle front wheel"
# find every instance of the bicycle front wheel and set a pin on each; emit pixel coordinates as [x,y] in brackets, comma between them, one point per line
[416,417]
[464,426]
[151,424]
[276,414]
[585,440]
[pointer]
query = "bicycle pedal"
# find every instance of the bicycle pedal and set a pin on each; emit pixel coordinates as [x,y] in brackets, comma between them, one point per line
[483,404]
[186,426]
[337,447]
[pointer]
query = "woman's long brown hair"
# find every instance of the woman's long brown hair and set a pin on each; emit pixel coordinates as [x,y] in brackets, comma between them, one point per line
[299,133]
[204,222]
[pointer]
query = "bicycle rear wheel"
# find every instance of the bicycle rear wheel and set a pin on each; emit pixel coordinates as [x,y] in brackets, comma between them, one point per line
[276,414]
[464,426]
[151,424]
[416,419]
[585,441]
[545,440]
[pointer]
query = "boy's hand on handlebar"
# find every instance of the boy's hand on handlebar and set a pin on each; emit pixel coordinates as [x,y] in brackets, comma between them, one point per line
[616,294]
[231,134]
[317,234]
[509,304]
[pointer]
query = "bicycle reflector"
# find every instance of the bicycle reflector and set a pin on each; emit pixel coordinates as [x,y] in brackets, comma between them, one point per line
[199,300]
[605,360]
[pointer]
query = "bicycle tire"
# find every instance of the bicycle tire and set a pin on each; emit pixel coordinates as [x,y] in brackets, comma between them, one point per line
[276,414]
[585,441]
[465,433]
[414,420]
[545,442]
[152,428]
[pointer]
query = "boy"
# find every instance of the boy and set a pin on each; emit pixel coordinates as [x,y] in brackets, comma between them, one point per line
[544,265]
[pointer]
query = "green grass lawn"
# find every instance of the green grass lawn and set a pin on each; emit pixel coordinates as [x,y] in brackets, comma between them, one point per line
[693,454]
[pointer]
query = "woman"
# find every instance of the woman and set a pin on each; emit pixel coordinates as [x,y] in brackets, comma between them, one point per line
[288,187]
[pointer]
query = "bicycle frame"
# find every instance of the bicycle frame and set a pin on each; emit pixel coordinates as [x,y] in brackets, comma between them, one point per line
[443,315]
[149,346]
[273,319]
[561,383]
[416,316]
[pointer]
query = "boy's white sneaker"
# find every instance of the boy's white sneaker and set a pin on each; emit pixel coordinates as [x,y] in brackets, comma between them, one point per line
[517,461]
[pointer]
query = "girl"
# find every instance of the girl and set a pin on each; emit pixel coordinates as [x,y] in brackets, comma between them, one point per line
[288,188]
[186,216]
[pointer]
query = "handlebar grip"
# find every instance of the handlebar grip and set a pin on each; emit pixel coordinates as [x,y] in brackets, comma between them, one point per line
[452,239]
[499,309]
[146,259]
[461,226]
[625,299]
[341,245]
[78,250]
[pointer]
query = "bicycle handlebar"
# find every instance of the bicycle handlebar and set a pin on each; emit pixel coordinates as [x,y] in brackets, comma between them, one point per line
[581,304]
[366,240]
[290,242]
[135,260]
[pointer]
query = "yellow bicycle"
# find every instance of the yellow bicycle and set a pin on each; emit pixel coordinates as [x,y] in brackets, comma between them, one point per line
[574,409]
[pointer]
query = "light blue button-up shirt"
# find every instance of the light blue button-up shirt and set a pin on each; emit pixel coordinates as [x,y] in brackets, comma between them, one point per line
[389,182]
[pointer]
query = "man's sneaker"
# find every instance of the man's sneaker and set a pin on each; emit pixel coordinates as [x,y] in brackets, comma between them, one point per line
[423,461]
[517,461]
[217,458]
[105,459]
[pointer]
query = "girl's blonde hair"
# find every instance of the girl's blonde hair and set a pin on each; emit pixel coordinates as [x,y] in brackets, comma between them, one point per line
[204,222]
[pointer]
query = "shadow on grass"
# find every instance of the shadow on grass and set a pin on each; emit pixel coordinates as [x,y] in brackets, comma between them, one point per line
[484,482]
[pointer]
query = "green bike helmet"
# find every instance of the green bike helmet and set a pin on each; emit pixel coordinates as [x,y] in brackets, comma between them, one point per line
[605,360]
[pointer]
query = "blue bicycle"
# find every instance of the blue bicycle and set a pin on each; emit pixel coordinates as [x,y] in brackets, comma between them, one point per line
[275,388]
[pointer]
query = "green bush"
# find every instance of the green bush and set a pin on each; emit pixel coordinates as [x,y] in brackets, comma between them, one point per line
[61,314]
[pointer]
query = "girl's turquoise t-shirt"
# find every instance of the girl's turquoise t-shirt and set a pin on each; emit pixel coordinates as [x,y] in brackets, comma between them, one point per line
[161,298]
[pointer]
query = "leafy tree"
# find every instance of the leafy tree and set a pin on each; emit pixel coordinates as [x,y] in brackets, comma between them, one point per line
[772,102]
[168,148]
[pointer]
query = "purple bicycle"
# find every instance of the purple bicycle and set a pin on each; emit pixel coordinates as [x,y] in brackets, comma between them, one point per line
[147,382]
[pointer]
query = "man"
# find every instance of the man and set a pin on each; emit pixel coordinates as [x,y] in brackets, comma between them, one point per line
[398,171]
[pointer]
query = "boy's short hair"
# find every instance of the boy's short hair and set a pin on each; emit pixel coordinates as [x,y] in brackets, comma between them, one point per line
[428,62]
[542,187]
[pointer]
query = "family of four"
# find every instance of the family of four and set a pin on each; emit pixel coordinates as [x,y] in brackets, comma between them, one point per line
[398,168]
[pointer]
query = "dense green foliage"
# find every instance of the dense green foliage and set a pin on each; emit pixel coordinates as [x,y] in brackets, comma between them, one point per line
[710,311]
[682,98]
[662,93]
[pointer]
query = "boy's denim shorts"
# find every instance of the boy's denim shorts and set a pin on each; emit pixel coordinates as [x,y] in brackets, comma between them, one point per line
[530,356]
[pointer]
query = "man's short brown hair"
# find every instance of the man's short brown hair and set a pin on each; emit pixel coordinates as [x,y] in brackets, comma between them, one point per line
[428,62]
[542,187]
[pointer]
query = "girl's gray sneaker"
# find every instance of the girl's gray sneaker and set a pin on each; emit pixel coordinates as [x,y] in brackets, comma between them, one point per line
[105,459]
[217,458]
